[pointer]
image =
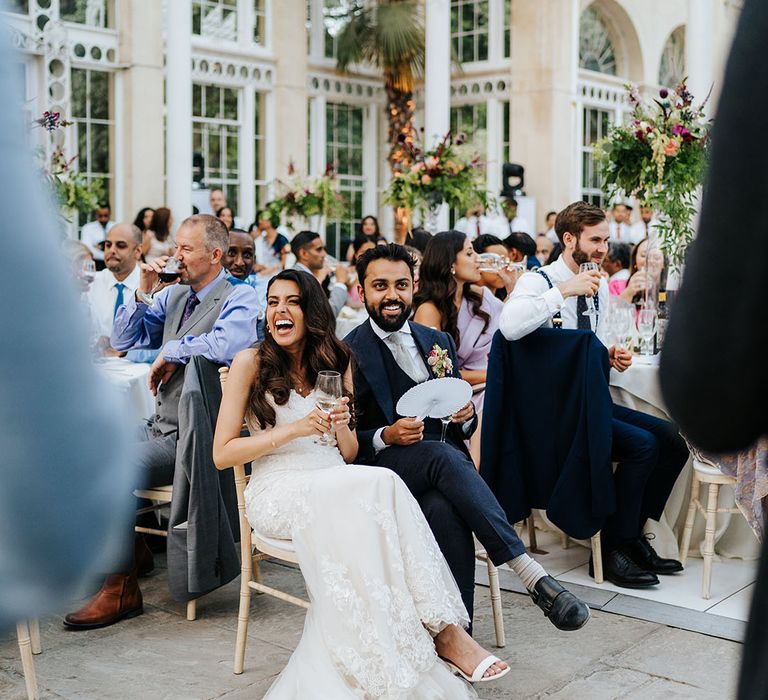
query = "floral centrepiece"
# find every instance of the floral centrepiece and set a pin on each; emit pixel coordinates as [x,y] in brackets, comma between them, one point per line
[440,362]
[309,196]
[451,173]
[659,157]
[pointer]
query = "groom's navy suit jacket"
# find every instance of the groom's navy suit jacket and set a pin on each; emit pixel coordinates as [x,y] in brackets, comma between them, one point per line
[375,399]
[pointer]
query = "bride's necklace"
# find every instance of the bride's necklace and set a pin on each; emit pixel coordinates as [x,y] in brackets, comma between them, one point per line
[298,383]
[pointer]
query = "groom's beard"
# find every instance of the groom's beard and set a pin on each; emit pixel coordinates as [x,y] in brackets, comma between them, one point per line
[389,323]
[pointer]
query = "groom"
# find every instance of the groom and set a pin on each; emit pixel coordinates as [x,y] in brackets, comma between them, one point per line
[391,356]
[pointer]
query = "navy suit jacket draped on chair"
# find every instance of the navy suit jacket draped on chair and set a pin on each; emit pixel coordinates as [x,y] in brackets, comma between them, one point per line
[374,399]
[546,440]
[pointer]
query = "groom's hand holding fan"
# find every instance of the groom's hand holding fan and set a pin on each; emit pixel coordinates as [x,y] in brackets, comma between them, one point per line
[405,431]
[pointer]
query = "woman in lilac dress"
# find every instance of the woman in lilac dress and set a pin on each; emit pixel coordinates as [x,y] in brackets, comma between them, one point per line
[451,300]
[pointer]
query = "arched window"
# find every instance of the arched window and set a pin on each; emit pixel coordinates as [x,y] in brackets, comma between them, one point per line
[596,51]
[672,66]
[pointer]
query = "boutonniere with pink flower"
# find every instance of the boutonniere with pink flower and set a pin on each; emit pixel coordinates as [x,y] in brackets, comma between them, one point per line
[440,362]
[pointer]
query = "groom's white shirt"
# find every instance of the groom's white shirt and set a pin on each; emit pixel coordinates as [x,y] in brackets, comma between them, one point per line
[410,345]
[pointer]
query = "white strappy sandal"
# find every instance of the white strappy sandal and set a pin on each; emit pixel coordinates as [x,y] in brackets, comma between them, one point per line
[480,669]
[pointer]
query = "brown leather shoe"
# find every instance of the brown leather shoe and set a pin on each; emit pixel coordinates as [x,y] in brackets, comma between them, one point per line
[142,556]
[118,598]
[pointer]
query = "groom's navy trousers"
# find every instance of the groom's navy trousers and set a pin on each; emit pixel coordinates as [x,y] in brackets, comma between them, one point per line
[456,502]
[452,495]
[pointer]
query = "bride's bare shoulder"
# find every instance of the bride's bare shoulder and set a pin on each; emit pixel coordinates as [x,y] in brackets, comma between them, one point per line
[246,362]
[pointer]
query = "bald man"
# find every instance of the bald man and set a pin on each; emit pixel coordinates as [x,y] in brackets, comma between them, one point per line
[113,285]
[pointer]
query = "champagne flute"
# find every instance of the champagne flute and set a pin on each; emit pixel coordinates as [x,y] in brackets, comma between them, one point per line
[170,273]
[328,391]
[646,327]
[588,267]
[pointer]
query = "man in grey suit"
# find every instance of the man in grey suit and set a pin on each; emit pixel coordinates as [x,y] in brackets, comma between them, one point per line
[200,312]
[310,252]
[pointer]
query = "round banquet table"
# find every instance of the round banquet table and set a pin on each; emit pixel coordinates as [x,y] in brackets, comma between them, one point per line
[638,388]
[130,380]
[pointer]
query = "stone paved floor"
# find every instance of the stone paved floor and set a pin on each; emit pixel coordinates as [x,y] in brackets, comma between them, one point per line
[161,655]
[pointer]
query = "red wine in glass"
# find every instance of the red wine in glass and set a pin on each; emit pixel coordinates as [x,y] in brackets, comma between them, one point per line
[171,271]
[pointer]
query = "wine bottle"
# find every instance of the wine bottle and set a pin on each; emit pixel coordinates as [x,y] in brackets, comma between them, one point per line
[662,319]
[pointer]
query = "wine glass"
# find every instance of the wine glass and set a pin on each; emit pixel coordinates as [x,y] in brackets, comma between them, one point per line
[646,328]
[588,267]
[624,329]
[88,271]
[327,392]
[446,421]
[490,262]
[170,273]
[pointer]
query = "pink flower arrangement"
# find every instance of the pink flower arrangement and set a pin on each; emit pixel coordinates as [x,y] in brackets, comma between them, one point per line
[659,157]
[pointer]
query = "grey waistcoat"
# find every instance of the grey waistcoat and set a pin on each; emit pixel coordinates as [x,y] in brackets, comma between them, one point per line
[201,321]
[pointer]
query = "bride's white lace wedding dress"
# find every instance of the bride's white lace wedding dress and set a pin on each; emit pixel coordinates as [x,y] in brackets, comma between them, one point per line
[377,582]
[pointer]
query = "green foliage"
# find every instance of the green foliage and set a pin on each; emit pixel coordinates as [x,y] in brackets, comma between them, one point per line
[389,34]
[660,157]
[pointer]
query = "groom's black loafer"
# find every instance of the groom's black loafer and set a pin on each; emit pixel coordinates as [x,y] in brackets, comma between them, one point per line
[564,610]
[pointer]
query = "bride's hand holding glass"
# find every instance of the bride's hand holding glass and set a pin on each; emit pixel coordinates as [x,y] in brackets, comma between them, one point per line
[340,414]
[315,424]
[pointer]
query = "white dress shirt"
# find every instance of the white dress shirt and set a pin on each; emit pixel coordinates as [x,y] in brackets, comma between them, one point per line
[469,225]
[639,231]
[502,227]
[103,294]
[532,303]
[620,232]
[94,233]
[620,276]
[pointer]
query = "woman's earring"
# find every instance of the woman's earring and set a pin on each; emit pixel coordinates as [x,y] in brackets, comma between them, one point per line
[453,270]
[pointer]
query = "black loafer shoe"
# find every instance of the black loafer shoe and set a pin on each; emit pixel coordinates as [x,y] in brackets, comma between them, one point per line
[564,610]
[621,571]
[641,552]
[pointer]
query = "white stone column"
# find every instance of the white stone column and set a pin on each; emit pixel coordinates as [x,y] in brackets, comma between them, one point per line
[178,90]
[317,135]
[138,108]
[543,99]
[700,53]
[245,156]
[494,157]
[290,87]
[371,158]
[437,80]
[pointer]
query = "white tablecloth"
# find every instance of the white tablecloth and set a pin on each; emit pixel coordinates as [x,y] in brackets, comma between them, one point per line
[639,388]
[130,379]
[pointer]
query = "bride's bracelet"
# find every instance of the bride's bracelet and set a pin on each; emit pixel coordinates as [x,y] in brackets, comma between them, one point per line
[272,439]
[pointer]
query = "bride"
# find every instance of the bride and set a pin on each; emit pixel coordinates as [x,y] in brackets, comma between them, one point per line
[385,609]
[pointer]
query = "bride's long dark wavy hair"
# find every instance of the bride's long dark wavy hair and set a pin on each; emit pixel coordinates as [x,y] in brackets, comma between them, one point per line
[322,350]
[438,285]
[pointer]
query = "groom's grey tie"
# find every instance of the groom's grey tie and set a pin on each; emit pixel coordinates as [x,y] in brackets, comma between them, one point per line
[403,358]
